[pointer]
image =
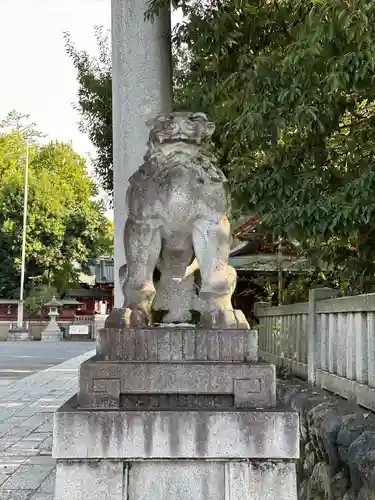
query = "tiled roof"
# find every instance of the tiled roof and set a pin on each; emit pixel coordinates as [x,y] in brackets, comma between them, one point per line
[86,293]
[268,263]
[248,225]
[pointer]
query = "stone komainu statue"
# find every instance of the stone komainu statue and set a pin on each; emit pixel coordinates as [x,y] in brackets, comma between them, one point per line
[178,222]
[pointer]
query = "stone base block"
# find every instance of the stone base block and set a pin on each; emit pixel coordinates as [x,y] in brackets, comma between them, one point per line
[19,334]
[103,384]
[52,336]
[175,480]
[90,480]
[177,344]
[181,454]
[169,434]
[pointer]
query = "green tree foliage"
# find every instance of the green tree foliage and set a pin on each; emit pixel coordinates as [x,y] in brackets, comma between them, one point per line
[106,240]
[38,296]
[66,226]
[95,102]
[290,85]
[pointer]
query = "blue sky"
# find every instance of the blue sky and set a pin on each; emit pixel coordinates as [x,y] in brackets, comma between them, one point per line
[37,76]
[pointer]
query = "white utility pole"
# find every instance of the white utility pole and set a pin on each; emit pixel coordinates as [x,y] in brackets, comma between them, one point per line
[280,271]
[20,305]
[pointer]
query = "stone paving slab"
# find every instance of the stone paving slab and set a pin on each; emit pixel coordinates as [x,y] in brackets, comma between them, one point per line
[27,469]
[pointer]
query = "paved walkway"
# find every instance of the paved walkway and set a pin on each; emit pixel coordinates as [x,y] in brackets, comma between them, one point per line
[27,470]
[22,359]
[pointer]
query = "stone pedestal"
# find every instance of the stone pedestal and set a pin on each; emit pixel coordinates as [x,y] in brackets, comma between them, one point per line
[19,334]
[52,335]
[52,332]
[175,413]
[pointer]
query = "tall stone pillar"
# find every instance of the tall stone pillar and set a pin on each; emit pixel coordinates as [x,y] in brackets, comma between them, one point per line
[142,88]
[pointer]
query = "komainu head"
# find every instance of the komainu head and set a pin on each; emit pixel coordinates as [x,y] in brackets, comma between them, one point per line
[174,128]
[181,141]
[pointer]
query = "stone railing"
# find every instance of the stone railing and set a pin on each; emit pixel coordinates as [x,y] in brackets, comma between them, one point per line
[37,326]
[329,341]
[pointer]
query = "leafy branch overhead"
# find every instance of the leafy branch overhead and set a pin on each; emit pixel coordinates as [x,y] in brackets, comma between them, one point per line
[291,87]
[95,102]
[15,121]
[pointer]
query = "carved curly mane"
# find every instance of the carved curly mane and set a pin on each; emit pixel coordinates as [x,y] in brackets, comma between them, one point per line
[180,141]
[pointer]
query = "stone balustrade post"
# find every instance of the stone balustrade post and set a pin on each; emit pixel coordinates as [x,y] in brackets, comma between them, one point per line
[258,306]
[313,335]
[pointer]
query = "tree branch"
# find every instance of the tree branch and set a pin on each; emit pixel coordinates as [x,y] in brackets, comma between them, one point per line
[283,23]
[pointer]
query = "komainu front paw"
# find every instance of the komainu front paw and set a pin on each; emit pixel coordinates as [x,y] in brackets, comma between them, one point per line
[136,318]
[223,319]
[115,319]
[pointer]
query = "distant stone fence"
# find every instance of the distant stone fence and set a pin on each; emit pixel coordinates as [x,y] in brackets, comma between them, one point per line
[337,445]
[94,322]
[328,341]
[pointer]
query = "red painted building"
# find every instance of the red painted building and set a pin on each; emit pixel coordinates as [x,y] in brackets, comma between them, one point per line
[8,309]
[98,297]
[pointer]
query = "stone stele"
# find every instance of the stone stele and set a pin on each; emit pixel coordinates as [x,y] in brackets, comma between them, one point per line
[178,205]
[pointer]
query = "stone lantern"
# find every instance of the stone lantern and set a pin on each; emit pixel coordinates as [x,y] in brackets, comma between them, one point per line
[52,331]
